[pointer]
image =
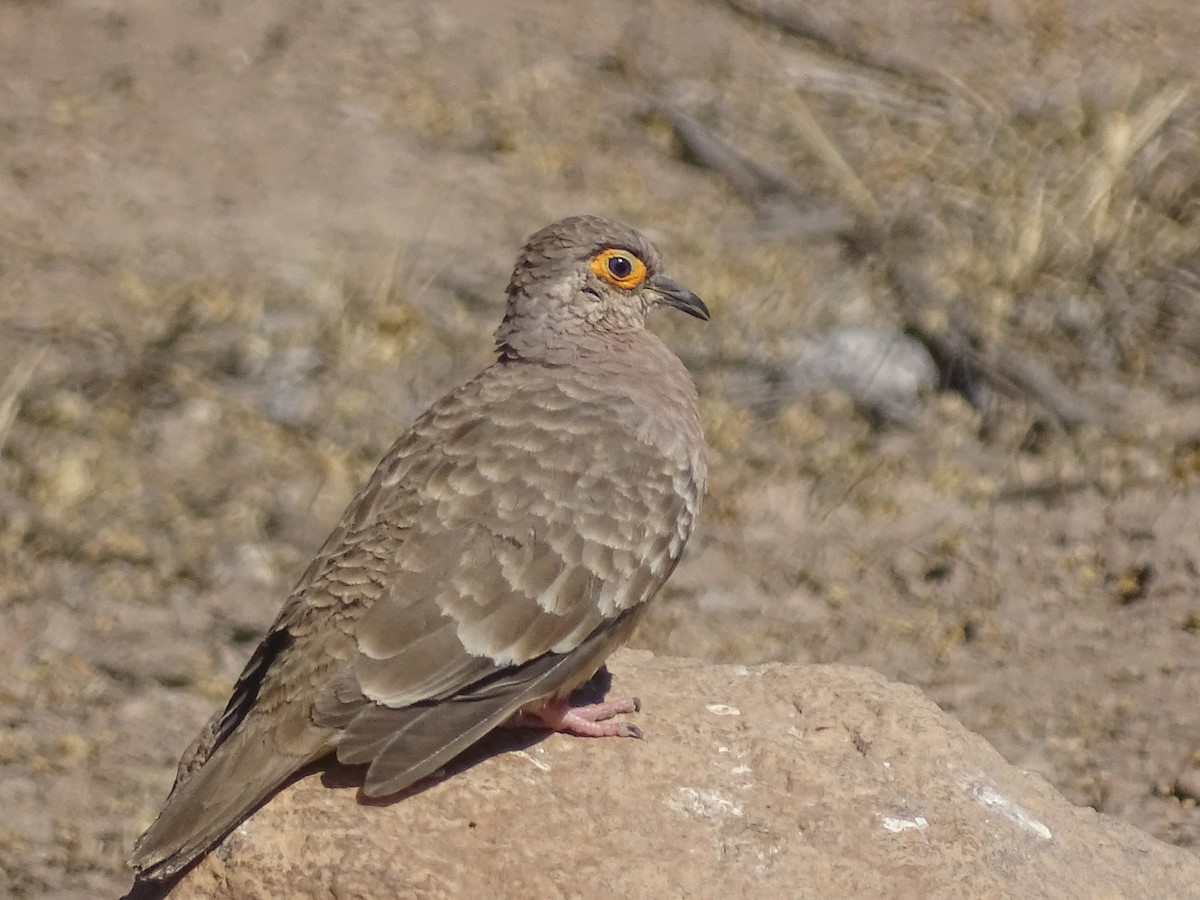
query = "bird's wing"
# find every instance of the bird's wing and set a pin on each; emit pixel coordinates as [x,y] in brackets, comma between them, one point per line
[516,552]
[497,555]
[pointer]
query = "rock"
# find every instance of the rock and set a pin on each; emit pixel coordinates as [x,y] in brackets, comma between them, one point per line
[776,781]
[885,372]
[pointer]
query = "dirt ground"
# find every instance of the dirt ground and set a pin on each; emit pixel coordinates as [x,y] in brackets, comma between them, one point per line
[242,244]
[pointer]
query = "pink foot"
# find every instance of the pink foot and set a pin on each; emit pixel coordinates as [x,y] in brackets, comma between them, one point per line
[586,721]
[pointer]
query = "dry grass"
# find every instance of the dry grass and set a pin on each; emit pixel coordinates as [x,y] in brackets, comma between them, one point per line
[1039,233]
[11,388]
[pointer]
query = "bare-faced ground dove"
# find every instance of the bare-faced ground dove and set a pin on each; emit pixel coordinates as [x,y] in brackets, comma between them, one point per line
[506,544]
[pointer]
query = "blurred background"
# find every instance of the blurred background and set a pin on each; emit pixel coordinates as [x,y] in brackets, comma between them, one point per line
[951,385]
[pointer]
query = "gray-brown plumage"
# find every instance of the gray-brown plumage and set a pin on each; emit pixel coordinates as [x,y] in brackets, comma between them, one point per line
[507,543]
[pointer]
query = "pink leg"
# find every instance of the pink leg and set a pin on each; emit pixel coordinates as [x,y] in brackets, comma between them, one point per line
[586,721]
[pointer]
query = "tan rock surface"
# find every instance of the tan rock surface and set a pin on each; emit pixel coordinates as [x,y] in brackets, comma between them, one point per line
[778,781]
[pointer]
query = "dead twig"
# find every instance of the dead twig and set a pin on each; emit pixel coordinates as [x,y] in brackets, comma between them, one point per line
[1047,491]
[967,369]
[798,22]
[750,178]
[757,184]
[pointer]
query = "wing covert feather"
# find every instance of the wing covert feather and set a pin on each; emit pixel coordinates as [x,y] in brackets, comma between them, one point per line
[494,562]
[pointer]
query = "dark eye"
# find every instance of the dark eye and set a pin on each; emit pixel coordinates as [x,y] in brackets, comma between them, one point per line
[620,266]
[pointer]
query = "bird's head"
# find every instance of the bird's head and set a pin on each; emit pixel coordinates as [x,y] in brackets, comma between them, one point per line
[585,277]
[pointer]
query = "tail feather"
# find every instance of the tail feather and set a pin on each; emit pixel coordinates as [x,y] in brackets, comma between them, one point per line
[402,746]
[206,806]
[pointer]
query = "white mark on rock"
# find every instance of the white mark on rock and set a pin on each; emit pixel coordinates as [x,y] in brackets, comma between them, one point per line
[536,763]
[740,770]
[720,709]
[987,796]
[703,804]
[897,825]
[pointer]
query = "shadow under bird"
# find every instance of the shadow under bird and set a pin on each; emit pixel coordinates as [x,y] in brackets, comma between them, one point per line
[507,543]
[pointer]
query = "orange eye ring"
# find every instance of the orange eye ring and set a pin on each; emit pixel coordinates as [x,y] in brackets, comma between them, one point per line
[619,267]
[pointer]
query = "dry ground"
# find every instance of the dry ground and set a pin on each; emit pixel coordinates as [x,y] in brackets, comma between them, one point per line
[241,244]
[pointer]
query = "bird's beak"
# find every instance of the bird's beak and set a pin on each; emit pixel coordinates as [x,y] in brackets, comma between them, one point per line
[675,294]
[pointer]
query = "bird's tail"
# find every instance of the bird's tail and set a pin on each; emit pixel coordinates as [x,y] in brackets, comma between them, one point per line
[232,783]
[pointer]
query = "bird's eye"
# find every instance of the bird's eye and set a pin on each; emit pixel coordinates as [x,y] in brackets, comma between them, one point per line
[619,267]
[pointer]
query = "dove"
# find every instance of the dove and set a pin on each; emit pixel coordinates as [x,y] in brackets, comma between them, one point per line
[506,544]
